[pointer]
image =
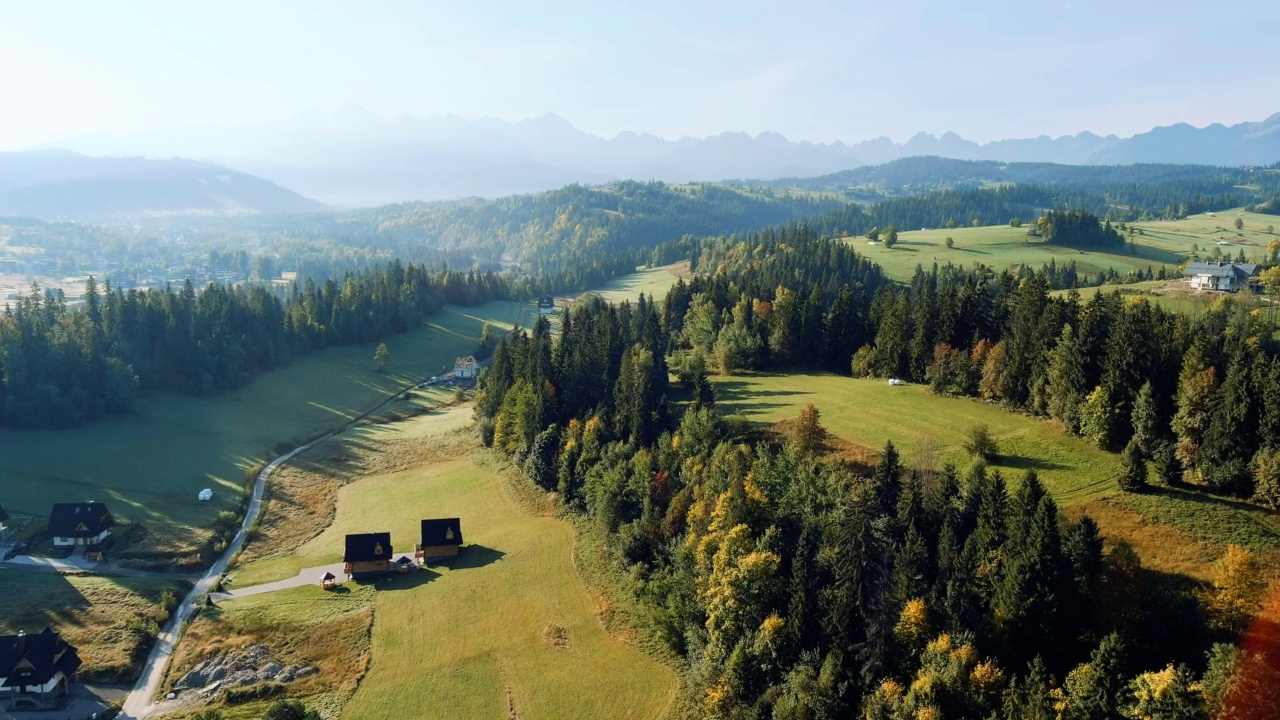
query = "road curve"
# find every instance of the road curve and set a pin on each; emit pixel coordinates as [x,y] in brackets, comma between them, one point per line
[138,703]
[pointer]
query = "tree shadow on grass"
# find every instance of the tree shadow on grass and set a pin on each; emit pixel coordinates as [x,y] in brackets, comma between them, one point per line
[471,556]
[1023,462]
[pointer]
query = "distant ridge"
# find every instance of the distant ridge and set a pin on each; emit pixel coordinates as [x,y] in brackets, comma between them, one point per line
[63,185]
[356,157]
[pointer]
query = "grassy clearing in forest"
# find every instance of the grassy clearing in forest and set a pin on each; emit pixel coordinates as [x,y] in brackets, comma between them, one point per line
[150,464]
[653,282]
[871,412]
[1174,530]
[1002,247]
[103,617]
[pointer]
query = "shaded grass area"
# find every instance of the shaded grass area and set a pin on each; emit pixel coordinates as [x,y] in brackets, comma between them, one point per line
[149,465]
[107,619]
[925,428]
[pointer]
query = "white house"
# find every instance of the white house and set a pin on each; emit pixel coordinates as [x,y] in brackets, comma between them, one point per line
[78,524]
[465,367]
[1224,276]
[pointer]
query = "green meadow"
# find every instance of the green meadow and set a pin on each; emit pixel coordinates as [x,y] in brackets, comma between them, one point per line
[1002,247]
[150,464]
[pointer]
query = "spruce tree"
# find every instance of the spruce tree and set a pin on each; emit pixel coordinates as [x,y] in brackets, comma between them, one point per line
[1133,469]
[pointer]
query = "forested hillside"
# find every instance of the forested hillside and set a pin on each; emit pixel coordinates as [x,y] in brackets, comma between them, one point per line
[800,585]
[64,366]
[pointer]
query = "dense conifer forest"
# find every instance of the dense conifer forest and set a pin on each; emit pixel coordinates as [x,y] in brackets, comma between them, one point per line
[796,584]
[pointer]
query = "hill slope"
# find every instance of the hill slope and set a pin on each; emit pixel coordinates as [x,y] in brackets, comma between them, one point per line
[60,185]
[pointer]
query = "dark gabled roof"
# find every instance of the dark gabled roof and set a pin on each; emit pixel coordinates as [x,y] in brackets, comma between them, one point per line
[546,301]
[1221,269]
[404,560]
[328,576]
[79,520]
[34,659]
[368,547]
[3,515]
[441,531]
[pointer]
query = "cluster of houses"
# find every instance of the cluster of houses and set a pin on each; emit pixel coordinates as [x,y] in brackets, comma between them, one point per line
[369,554]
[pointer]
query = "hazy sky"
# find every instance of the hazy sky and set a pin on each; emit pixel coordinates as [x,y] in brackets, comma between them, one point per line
[808,69]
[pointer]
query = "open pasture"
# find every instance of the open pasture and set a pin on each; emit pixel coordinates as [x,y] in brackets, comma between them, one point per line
[149,465]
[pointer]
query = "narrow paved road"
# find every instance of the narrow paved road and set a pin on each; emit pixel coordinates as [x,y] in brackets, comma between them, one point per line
[138,703]
[307,576]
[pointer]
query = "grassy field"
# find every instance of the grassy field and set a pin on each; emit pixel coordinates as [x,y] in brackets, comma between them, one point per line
[1174,530]
[98,615]
[653,282]
[505,629]
[1000,247]
[149,465]
[871,412]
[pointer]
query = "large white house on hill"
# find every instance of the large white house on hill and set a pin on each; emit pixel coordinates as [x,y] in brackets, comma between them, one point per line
[1224,276]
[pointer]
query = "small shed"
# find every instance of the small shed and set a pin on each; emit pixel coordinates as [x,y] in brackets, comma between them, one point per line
[95,552]
[328,581]
[441,538]
[404,564]
[205,494]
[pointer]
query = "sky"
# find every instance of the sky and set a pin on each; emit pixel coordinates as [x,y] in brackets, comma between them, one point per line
[810,70]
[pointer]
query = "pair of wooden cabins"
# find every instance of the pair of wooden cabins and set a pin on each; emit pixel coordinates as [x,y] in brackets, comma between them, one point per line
[372,553]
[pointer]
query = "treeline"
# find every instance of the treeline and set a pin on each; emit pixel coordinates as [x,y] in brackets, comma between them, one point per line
[61,365]
[800,586]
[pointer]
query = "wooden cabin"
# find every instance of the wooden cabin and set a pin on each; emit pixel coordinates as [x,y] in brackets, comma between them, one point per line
[441,538]
[367,553]
[328,581]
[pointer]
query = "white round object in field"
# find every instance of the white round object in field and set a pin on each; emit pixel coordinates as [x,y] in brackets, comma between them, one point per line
[206,494]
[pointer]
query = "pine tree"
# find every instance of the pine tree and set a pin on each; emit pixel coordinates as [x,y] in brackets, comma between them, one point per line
[1096,690]
[1145,419]
[1067,389]
[1133,472]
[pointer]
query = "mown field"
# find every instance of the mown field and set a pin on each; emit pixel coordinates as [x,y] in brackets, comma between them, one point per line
[149,465]
[1000,247]
[506,629]
[1176,530]
[104,618]
[653,282]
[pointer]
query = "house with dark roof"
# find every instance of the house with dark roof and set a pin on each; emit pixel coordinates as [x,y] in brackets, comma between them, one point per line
[1223,276]
[441,537]
[35,670]
[86,523]
[546,305]
[367,553]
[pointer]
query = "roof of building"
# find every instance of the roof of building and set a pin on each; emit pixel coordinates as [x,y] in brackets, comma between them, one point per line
[35,659]
[1221,269]
[328,576]
[441,531]
[465,362]
[404,560]
[546,301]
[368,547]
[79,520]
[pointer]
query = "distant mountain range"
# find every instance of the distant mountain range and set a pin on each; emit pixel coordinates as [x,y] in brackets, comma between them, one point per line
[63,185]
[354,157]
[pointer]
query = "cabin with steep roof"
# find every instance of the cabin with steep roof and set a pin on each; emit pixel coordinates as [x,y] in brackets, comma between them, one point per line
[80,524]
[35,670]
[367,553]
[441,538]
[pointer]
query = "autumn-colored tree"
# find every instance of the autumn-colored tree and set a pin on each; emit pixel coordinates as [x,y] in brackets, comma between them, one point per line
[1266,476]
[1239,223]
[1237,589]
[381,356]
[807,435]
